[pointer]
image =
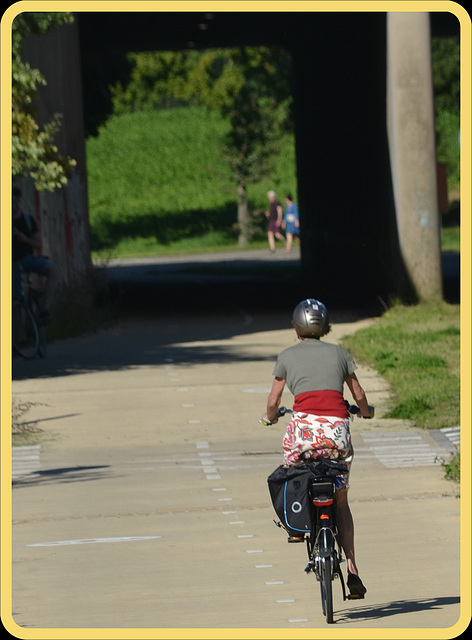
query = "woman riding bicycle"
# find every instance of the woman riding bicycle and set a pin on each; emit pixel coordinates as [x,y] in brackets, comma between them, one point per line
[315,372]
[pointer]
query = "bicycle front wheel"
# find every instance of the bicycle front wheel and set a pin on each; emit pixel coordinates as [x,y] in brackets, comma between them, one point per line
[25,333]
[326,584]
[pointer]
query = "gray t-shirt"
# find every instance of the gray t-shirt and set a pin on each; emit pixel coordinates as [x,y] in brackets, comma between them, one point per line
[312,365]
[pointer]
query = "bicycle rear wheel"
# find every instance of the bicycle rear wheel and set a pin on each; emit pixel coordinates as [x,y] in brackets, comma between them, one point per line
[25,333]
[35,296]
[326,585]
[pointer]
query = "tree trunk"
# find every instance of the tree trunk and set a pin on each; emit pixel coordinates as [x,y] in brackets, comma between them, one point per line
[413,150]
[243,216]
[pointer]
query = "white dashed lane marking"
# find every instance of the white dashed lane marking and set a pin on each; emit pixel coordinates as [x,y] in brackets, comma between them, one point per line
[207,460]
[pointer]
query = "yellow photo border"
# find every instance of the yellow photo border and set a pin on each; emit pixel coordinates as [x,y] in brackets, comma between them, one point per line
[5,307]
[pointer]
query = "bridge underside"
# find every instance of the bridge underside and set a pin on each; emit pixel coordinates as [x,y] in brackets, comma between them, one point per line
[349,238]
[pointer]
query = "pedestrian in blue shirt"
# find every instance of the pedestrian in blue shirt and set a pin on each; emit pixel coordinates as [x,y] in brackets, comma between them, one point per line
[291,222]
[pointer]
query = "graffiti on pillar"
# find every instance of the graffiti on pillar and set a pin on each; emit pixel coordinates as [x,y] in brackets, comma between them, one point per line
[422,203]
[62,221]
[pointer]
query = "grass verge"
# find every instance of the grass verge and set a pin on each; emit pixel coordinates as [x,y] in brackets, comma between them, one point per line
[417,350]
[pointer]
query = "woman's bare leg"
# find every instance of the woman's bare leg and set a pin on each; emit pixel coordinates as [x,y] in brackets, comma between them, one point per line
[288,247]
[346,530]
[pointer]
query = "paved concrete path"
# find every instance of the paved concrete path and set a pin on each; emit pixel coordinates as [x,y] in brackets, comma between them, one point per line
[146,505]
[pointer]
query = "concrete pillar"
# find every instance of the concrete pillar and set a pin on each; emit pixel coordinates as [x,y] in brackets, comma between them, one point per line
[62,215]
[349,238]
[410,117]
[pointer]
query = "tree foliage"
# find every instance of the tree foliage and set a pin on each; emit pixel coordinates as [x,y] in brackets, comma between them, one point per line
[446,74]
[156,80]
[33,148]
[249,86]
[446,79]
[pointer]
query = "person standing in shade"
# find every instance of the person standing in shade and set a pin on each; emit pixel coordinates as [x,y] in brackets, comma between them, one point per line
[26,243]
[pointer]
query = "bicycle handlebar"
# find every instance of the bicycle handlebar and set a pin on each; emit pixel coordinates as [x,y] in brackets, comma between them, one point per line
[353,409]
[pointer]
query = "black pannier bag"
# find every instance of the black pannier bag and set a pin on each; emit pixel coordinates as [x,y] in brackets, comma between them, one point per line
[289,489]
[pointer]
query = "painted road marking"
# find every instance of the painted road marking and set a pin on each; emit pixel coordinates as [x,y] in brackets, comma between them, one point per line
[63,543]
[298,619]
[286,600]
[453,434]
[402,449]
[25,461]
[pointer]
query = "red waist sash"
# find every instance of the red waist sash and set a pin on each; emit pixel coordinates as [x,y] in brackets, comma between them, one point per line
[321,403]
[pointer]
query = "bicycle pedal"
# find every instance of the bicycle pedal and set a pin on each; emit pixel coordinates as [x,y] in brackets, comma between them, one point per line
[355,596]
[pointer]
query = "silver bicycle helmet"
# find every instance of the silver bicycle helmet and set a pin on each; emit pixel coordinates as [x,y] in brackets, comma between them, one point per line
[310,319]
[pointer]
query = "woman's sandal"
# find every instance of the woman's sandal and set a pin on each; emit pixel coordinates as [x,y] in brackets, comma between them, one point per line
[355,586]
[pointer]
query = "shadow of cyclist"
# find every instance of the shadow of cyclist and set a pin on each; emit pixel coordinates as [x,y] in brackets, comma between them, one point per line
[396,607]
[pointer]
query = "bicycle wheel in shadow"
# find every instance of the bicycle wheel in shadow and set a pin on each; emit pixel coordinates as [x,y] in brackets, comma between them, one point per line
[35,296]
[43,341]
[25,332]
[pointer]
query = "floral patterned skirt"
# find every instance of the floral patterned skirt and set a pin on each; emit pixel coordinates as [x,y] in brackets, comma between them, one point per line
[310,436]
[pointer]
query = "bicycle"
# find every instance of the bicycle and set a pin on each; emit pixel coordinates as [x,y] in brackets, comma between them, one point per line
[29,337]
[319,530]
